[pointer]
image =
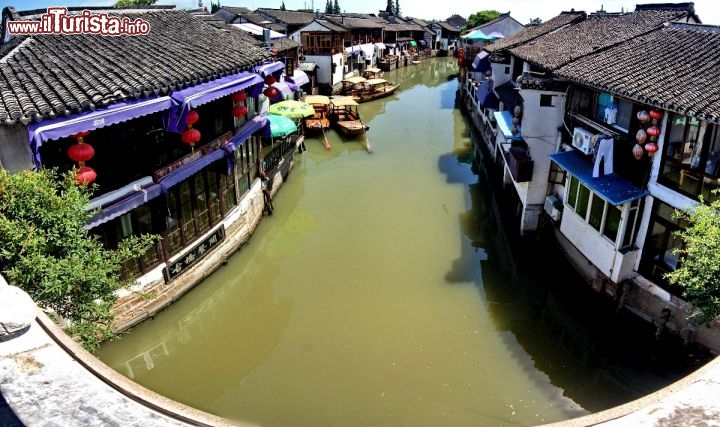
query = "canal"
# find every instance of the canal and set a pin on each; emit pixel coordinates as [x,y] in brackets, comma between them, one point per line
[384,291]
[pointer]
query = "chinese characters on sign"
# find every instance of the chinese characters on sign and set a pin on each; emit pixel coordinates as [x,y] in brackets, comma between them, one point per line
[194,255]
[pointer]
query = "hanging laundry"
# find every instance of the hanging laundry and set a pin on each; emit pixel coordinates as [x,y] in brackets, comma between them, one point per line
[605,153]
[611,113]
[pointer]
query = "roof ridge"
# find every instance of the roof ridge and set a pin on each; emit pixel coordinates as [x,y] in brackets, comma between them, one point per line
[693,26]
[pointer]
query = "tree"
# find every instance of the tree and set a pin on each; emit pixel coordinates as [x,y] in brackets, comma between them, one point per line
[390,8]
[126,3]
[480,18]
[214,7]
[46,251]
[396,9]
[699,271]
[535,21]
[328,7]
[336,7]
[282,6]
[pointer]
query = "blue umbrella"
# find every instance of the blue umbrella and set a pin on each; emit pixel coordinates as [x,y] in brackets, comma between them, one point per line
[281,125]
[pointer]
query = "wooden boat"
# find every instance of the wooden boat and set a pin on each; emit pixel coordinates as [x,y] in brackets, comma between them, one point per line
[374,89]
[345,117]
[351,84]
[372,73]
[319,122]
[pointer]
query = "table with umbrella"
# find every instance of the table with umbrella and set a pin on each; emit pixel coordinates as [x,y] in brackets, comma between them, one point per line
[292,109]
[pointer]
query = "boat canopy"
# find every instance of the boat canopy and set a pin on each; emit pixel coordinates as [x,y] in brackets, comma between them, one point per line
[341,101]
[355,79]
[375,81]
[317,99]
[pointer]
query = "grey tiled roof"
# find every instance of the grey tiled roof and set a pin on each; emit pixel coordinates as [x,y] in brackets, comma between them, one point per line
[531,33]
[332,26]
[674,68]
[290,17]
[237,10]
[284,44]
[46,76]
[553,50]
[354,22]
[447,27]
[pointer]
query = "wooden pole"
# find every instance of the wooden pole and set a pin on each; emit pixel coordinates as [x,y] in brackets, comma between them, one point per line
[367,143]
[326,143]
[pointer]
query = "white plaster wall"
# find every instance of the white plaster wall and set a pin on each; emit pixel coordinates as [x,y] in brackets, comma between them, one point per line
[587,240]
[499,74]
[540,131]
[324,71]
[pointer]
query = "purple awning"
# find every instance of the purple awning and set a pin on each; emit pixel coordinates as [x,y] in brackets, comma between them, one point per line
[186,171]
[256,124]
[299,77]
[267,69]
[284,89]
[65,126]
[203,93]
[132,201]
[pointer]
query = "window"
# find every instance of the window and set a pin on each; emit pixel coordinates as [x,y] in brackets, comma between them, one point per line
[134,223]
[196,205]
[662,240]
[613,111]
[546,101]
[606,218]
[691,157]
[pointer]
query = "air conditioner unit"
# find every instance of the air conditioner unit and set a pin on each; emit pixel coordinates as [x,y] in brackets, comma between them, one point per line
[553,207]
[582,140]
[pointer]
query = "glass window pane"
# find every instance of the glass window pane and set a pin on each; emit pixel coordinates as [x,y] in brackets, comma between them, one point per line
[572,192]
[596,212]
[630,229]
[612,223]
[583,200]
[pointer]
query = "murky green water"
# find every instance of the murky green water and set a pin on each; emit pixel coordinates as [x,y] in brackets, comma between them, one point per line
[380,293]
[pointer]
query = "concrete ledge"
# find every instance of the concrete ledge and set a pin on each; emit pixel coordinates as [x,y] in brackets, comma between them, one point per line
[47,379]
[691,401]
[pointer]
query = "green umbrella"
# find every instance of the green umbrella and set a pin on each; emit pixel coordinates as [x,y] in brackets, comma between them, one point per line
[477,35]
[292,109]
[281,125]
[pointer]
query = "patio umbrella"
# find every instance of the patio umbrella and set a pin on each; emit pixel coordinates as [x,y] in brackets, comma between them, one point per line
[281,125]
[478,35]
[292,109]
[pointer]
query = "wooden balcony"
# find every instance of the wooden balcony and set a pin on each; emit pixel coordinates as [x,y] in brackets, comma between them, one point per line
[519,163]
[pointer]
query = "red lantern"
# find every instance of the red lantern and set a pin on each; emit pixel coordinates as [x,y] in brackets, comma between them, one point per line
[653,131]
[192,117]
[270,92]
[81,153]
[82,134]
[85,175]
[270,80]
[238,96]
[239,111]
[656,114]
[651,148]
[191,136]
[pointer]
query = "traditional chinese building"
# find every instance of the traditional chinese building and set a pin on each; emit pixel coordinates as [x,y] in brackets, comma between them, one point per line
[165,126]
[598,127]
